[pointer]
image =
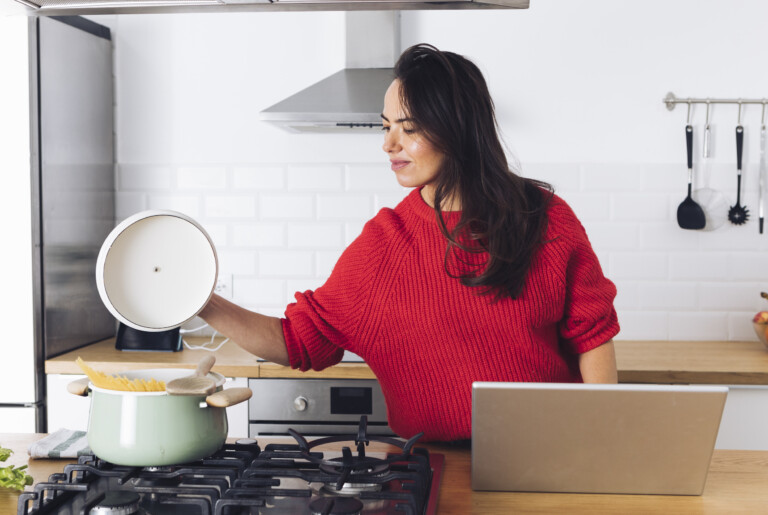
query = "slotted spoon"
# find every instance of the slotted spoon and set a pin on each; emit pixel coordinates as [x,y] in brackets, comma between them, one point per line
[738,214]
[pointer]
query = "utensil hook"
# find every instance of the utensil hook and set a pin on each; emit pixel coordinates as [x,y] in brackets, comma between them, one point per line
[708,105]
[739,111]
[762,118]
[688,122]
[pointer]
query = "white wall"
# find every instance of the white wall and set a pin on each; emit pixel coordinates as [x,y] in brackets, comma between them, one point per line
[578,88]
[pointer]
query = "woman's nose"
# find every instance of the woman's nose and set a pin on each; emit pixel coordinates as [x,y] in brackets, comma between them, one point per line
[390,142]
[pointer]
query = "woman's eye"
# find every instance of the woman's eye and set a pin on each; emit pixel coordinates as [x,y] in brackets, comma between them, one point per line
[385,128]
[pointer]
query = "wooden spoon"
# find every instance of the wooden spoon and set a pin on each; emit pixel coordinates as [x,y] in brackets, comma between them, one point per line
[198,383]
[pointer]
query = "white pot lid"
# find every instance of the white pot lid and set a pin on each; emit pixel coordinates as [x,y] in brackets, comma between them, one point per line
[156,270]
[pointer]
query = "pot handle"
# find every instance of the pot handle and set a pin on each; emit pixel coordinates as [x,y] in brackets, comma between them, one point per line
[79,387]
[228,397]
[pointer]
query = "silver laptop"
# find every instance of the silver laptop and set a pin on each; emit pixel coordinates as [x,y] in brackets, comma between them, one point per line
[594,438]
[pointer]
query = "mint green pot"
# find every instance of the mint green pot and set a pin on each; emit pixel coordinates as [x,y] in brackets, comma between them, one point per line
[145,429]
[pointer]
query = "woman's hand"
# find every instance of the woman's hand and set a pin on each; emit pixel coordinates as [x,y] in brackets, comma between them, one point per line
[599,364]
[258,334]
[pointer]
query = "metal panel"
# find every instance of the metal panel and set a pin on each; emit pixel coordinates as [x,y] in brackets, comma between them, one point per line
[76,178]
[307,405]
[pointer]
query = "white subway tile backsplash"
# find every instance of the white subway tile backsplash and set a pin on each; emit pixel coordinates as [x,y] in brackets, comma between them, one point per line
[201,177]
[259,235]
[326,261]
[697,266]
[281,228]
[648,207]
[627,295]
[667,236]
[643,325]
[218,233]
[315,178]
[236,262]
[287,207]
[740,326]
[352,230]
[589,206]
[258,291]
[143,177]
[612,177]
[731,238]
[666,177]
[187,204]
[376,178]
[274,263]
[129,203]
[315,235]
[382,200]
[349,207]
[230,206]
[748,266]
[612,236]
[258,178]
[638,265]
[668,295]
[564,178]
[730,296]
[294,286]
[705,326]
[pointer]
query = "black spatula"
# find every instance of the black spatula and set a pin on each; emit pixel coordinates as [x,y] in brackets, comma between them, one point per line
[689,213]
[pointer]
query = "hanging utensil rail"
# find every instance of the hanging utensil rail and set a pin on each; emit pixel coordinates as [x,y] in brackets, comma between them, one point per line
[671,100]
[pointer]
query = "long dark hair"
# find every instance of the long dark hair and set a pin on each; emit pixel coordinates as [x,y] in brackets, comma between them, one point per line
[503,215]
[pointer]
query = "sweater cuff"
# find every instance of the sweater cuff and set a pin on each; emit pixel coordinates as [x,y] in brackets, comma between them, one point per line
[306,352]
[583,338]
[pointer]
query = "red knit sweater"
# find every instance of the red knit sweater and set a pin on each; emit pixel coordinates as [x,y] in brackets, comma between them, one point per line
[427,337]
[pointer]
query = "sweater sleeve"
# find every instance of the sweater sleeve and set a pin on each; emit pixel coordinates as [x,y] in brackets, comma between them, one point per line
[589,315]
[321,324]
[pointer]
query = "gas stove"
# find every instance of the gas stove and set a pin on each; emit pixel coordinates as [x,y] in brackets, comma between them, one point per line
[244,479]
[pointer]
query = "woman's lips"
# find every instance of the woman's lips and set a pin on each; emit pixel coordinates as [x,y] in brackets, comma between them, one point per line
[397,165]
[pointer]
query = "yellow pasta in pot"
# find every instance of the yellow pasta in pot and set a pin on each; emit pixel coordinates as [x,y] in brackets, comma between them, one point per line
[121,383]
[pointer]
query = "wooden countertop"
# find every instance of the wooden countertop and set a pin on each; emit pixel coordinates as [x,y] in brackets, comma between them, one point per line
[694,362]
[735,485]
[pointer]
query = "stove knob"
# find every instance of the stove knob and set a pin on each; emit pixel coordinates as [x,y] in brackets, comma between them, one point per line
[300,403]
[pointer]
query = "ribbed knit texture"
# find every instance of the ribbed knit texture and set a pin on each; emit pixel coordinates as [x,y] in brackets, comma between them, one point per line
[427,337]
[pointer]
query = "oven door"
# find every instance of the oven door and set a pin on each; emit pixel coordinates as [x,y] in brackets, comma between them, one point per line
[315,406]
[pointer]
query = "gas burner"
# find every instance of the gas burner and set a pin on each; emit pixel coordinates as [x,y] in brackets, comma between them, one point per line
[359,474]
[336,506]
[282,479]
[363,466]
[166,468]
[117,503]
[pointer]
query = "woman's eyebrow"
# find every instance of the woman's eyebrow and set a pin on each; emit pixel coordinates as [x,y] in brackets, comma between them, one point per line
[399,120]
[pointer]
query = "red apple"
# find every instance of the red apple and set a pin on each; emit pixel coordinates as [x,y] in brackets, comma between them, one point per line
[761,318]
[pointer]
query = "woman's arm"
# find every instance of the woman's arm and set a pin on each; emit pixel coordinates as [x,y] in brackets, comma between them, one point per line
[599,364]
[258,334]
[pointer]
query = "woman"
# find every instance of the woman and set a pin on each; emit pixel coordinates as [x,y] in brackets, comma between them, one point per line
[477,275]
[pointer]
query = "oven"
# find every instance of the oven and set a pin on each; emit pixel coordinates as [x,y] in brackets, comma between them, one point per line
[315,406]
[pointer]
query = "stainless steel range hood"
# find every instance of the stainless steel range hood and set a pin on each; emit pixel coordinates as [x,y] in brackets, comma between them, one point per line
[350,99]
[85,7]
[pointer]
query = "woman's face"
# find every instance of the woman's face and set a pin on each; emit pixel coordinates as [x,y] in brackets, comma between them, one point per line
[413,158]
